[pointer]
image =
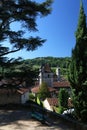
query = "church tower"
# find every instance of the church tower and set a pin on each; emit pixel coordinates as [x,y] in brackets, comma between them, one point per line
[46,75]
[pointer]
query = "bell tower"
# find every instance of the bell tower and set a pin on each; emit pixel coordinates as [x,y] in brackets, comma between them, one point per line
[46,75]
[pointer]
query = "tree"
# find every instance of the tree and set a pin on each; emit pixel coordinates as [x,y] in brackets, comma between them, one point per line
[43,91]
[24,12]
[27,73]
[6,65]
[63,98]
[78,68]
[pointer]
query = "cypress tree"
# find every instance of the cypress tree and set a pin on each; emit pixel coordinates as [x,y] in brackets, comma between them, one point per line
[63,98]
[78,68]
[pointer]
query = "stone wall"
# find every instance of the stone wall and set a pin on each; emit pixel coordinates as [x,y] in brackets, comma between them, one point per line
[10,98]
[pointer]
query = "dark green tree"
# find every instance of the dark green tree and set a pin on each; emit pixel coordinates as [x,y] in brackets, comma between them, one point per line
[25,13]
[7,65]
[43,91]
[63,98]
[78,68]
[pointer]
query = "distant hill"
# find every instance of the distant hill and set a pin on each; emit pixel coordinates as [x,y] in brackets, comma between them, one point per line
[62,62]
[32,66]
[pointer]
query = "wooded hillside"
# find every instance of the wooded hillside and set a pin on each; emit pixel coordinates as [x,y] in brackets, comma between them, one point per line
[54,62]
[62,62]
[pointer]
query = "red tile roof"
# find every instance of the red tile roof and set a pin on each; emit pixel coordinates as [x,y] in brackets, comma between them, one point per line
[61,84]
[53,101]
[51,89]
[23,90]
[36,89]
[11,91]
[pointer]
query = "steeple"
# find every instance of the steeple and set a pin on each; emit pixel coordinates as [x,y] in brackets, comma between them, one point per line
[46,75]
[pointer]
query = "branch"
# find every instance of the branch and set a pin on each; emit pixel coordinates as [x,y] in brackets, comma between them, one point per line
[12,51]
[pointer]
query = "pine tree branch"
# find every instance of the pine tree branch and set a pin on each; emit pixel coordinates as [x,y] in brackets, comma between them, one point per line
[12,51]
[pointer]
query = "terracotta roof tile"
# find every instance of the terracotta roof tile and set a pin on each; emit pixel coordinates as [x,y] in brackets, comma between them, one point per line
[11,91]
[36,89]
[53,101]
[23,90]
[61,84]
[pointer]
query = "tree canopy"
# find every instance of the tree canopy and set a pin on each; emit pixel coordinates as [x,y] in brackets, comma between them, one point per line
[63,98]
[78,68]
[43,91]
[24,12]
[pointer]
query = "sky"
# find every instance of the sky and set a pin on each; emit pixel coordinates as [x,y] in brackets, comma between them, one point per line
[58,28]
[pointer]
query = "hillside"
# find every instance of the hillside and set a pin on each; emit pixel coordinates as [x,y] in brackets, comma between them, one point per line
[31,66]
[62,62]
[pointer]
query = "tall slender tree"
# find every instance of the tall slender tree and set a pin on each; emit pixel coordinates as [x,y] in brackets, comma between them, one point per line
[78,68]
[63,98]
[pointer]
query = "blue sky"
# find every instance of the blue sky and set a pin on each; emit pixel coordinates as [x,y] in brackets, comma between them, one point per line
[58,28]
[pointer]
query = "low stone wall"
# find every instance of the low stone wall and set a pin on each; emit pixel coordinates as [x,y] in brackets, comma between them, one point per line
[60,119]
[66,120]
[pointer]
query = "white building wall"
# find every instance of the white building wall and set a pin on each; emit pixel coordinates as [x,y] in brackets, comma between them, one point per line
[46,105]
[58,73]
[46,77]
[24,97]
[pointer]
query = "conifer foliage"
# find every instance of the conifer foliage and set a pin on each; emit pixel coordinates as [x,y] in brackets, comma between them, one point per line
[24,12]
[63,98]
[78,68]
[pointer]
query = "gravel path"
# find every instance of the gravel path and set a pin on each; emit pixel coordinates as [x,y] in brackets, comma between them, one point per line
[22,120]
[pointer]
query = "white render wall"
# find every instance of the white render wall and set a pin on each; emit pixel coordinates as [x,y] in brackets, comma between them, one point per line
[46,77]
[24,97]
[46,105]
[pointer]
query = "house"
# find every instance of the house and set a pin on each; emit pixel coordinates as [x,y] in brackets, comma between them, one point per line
[50,103]
[11,92]
[13,96]
[62,84]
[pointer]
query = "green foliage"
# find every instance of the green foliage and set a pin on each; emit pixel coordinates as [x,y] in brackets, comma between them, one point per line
[24,13]
[81,29]
[31,96]
[39,101]
[12,66]
[63,98]
[84,115]
[7,66]
[78,69]
[53,61]
[63,63]
[43,91]
[60,109]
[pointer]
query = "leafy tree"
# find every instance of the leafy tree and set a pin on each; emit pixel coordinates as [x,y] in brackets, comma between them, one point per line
[78,68]
[43,91]
[63,98]
[24,12]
